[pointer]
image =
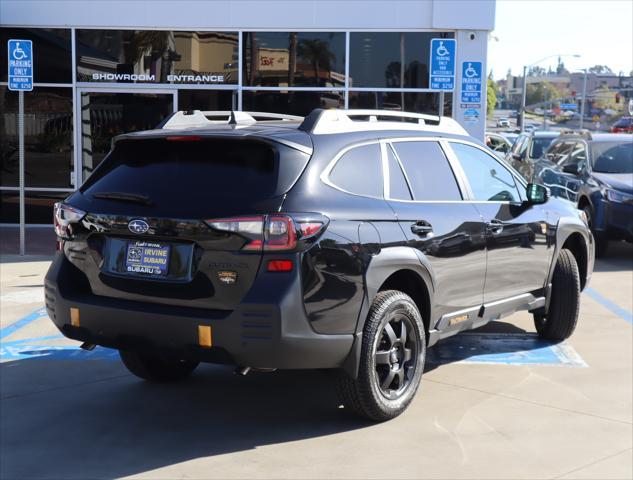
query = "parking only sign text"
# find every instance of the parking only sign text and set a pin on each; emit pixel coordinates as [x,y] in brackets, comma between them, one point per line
[20,65]
[442,71]
[471,83]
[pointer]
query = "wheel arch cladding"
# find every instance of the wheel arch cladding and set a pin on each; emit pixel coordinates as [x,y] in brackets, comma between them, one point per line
[576,244]
[411,283]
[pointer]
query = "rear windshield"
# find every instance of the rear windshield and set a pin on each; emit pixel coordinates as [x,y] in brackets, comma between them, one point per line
[612,157]
[197,171]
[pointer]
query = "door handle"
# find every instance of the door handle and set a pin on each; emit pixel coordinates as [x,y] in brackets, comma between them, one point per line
[495,226]
[421,228]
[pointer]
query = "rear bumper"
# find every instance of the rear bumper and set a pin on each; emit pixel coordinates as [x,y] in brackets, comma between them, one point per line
[269,330]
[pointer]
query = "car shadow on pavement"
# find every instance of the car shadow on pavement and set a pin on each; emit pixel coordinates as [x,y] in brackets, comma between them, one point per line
[90,419]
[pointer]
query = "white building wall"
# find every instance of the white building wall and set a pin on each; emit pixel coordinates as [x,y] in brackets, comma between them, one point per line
[253,14]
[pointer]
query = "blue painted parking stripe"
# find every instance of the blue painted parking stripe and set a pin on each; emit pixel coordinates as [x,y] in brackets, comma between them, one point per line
[503,349]
[14,327]
[37,340]
[609,305]
[54,352]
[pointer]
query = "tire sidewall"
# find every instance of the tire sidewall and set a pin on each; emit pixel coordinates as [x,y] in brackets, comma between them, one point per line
[403,305]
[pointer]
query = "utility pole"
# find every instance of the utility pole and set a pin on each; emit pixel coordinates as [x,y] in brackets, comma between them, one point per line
[584,95]
[523,97]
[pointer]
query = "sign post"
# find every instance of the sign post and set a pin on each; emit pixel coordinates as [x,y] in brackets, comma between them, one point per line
[442,71]
[21,79]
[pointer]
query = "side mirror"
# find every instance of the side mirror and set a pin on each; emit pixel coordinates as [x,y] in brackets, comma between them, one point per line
[517,157]
[573,168]
[537,194]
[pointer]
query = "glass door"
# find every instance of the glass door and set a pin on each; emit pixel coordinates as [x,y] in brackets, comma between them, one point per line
[107,113]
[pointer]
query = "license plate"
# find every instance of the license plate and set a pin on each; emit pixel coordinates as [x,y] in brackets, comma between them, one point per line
[147,258]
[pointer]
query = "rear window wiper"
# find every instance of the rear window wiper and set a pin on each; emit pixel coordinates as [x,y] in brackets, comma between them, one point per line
[124,197]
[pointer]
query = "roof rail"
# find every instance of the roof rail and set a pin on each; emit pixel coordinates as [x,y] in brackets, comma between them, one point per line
[322,121]
[197,118]
[583,132]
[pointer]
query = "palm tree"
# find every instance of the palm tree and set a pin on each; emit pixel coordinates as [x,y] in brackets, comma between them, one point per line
[318,53]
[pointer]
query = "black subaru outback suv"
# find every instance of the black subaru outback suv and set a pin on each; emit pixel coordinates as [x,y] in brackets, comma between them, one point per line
[349,240]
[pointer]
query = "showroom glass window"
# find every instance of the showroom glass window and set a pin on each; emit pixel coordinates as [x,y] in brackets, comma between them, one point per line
[391,59]
[294,59]
[420,102]
[157,56]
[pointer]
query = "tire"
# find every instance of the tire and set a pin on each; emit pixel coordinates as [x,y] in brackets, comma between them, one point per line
[601,242]
[156,366]
[562,316]
[391,362]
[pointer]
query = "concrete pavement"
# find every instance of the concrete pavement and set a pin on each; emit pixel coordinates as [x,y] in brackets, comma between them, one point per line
[488,407]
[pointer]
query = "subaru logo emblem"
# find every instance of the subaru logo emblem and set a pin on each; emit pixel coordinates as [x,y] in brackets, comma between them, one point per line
[138,226]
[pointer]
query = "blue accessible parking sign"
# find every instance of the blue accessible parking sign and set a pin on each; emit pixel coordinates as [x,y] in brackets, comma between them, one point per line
[471,83]
[20,65]
[442,71]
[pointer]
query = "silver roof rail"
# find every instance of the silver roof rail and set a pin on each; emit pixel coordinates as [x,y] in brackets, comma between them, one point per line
[197,118]
[339,121]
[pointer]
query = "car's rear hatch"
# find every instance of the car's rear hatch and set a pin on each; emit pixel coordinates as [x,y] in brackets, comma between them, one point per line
[150,207]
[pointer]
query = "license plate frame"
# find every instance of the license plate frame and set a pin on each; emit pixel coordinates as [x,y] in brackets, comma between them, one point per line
[147,258]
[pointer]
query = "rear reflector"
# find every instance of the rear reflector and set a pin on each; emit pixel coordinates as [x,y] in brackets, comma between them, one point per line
[204,336]
[74,317]
[183,138]
[279,266]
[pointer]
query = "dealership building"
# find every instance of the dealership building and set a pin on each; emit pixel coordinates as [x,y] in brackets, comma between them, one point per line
[102,68]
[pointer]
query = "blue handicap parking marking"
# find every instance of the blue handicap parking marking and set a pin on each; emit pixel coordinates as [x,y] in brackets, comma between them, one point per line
[609,305]
[23,351]
[471,83]
[504,349]
[14,327]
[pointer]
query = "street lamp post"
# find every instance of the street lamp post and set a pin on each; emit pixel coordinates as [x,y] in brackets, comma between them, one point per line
[524,93]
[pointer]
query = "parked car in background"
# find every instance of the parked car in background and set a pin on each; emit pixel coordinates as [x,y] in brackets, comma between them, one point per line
[503,122]
[499,144]
[596,173]
[514,114]
[511,136]
[527,148]
[623,125]
[530,128]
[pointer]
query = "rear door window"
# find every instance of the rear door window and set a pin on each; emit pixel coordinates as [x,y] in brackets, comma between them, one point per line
[359,171]
[430,175]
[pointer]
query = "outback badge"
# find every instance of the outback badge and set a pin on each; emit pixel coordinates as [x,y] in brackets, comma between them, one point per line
[227,277]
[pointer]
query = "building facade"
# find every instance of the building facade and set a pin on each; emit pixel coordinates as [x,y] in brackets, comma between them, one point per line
[102,68]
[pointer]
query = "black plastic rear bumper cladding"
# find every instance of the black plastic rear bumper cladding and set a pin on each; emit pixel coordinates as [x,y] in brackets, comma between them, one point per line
[269,329]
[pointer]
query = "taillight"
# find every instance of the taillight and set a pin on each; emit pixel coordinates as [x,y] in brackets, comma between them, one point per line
[276,232]
[63,217]
[251,228]
[279,266]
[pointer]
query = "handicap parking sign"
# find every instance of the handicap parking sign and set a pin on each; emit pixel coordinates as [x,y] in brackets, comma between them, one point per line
[442,71]
[471,83]
[20,64]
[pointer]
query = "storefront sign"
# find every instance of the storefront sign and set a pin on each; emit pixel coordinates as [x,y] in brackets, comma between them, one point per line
[442,71]
[20,65]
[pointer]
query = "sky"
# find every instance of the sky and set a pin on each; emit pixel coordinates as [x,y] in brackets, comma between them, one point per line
[600,31]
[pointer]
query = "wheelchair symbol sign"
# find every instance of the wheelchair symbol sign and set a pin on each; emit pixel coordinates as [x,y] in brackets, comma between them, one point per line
[20,64]
[471,83]
[442,64]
